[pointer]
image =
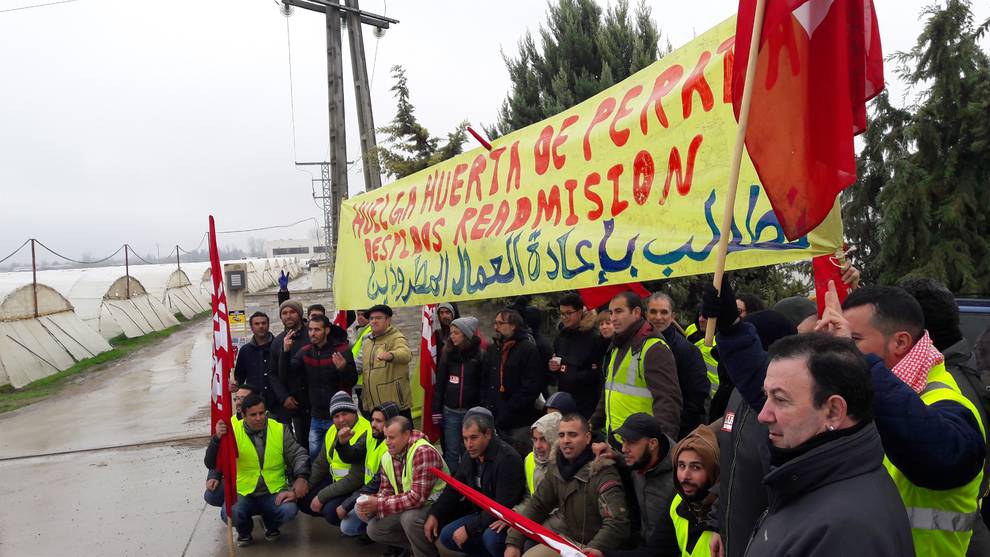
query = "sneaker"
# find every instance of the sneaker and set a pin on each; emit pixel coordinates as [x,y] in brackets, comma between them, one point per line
[272,534]
[244,541]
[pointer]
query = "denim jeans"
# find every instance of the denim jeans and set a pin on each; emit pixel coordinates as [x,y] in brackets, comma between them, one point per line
[317,433]
[489,544]
[353,526]
[453,441]
[215,498]
[274,516]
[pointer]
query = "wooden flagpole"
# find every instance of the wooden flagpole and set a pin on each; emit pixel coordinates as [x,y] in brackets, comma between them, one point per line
[230,536]
[730,200]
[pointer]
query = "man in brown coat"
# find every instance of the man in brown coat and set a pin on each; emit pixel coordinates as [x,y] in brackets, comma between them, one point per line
[640,375]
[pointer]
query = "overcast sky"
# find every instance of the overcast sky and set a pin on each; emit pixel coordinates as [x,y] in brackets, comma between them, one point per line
[131,121]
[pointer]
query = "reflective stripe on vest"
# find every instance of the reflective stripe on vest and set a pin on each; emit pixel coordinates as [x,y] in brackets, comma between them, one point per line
[626,392]
[339,468]
[356,349]
[530,464]
[407,471]
[373,458]
[711,364]
[249,469]
[941,521]
[681,527]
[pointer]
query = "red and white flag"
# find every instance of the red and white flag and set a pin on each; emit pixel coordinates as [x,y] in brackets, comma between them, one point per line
[818,63]
[428,369]
[221,407]
[531,529]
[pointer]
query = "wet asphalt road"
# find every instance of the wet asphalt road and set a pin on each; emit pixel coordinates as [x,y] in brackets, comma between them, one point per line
[113,465]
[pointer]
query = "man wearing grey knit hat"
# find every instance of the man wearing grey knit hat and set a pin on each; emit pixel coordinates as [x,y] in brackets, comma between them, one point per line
[333,477]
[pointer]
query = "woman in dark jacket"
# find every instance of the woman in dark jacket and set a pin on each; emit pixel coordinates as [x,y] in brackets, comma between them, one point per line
[460,384]
[515,379]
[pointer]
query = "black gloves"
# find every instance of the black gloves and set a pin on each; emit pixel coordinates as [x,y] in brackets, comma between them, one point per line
[720,305]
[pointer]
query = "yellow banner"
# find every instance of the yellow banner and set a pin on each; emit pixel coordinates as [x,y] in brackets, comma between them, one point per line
[626,186]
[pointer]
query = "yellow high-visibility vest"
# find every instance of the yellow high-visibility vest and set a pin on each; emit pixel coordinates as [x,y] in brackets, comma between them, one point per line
[339,468]
[701,547]
[626,392]
[941,520]
[249,469]
[407,472]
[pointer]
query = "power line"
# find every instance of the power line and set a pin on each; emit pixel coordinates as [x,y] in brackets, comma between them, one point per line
[59,255]
[292,101]
[13,253]
[269,227]
[32,6]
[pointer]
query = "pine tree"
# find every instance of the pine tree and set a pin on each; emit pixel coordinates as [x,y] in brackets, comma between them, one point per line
[884,141]
[934,206]
[408,146]
[581,53]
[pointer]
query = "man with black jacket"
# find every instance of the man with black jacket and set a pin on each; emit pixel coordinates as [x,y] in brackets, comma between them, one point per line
[490,466]
[515,379]
[290,390]
[577,355]
[327,366]
[692,374]
[253,358]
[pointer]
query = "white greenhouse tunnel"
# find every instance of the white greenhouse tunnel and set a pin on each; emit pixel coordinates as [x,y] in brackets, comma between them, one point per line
[36,344]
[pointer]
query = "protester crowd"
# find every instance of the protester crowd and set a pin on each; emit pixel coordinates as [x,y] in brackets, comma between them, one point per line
[859,432]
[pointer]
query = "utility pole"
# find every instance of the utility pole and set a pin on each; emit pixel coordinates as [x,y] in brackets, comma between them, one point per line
[333,173]
[362,94]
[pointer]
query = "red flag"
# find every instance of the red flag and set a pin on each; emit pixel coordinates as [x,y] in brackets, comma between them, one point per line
[340,319]
[428,369]
[827,268]
[221,407]
[819,62]
[599,295]
[529,528]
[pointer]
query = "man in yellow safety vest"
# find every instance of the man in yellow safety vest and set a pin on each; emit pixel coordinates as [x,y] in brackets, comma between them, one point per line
[333,479]
[265,451]
[640,375]
[932,435]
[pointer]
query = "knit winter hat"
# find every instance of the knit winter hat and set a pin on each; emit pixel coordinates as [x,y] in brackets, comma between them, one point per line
[342,402]
[562,401]
[796,309]
[479,410]
[467,325]
[702,441]
[291,304]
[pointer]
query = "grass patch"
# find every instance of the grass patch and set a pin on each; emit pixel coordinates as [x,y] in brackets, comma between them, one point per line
[12,399]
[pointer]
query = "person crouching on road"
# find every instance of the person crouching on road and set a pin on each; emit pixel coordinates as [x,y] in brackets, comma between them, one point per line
[333,479]
[264,452]
[492,467]
[214,495]
[586,491]
[396,514]
[351,524]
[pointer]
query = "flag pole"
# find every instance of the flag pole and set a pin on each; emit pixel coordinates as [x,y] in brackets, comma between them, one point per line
[230,536]
[730,200]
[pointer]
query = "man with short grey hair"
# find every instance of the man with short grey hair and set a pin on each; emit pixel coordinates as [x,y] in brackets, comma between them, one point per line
[490,466]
